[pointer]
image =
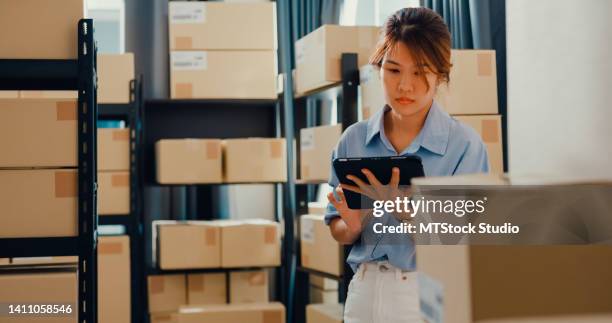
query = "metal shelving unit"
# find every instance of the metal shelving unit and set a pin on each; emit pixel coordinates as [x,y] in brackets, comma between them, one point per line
[78,74]
[133,222]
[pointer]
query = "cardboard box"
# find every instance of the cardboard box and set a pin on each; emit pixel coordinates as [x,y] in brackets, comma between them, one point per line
[166,293]
[171,237]
[323,282]
[267,160]
[223,74]
[38,203]
[113,193]
[261,236]
[317,207]
[115,71]
[37,94]
[319,249]
[204,289]
[492,282]
[212,25]
[9,94]
[186,161]
[27,127]
[114,279]
[41,288]
[318,54]
[316,147]
[33,29]
[243,313]
[324,313]
[45,260]
[489,128]
[318,295]
[167,317]
[113,149]
[372,92]
[473,83]
[249,287]
[4,261]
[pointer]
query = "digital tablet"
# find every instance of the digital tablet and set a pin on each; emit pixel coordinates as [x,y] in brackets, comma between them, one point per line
[409,166]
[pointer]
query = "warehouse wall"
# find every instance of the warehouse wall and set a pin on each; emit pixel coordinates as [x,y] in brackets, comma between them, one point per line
[559,86]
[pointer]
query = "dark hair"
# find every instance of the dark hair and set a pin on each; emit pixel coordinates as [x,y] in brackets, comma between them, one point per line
[425,34]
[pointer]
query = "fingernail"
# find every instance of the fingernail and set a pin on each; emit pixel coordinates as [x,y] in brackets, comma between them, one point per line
[395,169]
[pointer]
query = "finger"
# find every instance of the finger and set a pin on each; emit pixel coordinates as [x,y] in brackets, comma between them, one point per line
[371,178]
[341,193]
[357,181]
[332,199]
[351,188]
[395,177]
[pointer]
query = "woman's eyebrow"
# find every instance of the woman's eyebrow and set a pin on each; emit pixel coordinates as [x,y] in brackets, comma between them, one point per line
[391,62]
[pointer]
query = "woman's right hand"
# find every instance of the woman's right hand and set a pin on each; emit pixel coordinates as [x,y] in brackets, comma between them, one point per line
[352,218]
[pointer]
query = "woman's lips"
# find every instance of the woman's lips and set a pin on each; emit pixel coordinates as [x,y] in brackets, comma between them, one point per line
[404,101]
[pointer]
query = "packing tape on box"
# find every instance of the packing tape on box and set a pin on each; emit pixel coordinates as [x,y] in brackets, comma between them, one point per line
[65,184]
[196,283]
[162,317]
[270,235]
[276,149]
[485,64]
[183,90]
[183,42]
[213,149]
[257,279]
[156,284]
[109,248]
[272,316]
[120,180]
[210,235]
[66,110]
[121,135]
[490,130]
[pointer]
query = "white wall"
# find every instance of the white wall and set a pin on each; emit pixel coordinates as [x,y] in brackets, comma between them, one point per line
[560,87]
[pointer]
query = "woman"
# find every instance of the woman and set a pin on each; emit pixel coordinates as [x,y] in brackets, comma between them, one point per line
[414,58]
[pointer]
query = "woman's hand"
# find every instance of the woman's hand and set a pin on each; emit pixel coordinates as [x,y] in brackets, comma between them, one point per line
[375,189]
[352,218]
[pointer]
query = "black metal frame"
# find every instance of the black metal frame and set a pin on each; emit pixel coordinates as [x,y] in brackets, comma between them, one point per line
[79,74]
[133,222]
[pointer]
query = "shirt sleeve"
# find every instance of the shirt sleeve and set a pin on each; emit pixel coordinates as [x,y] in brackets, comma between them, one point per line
[474,160]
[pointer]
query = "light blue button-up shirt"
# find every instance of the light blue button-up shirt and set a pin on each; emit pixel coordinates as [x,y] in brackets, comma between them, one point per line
[446,147]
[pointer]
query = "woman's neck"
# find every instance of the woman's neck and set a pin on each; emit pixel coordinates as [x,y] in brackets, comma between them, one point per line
[402,129]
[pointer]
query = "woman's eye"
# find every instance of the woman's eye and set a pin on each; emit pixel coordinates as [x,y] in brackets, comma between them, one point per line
[393,71]
[417,73]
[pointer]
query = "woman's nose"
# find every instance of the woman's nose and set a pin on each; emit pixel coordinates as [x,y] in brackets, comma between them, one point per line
[406,83]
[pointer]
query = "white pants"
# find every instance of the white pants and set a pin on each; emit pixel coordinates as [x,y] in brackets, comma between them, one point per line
[382,293]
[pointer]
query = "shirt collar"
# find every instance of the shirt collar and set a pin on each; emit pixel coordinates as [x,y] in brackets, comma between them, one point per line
[433,136]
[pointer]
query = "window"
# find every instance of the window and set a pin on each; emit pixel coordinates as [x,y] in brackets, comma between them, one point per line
[371,12]
[109,22]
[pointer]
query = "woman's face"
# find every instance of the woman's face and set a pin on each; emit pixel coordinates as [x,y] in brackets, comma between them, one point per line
[405,90]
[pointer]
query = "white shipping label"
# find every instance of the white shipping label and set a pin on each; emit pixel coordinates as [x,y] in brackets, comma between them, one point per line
[299,53]
[431,299]
[187,13]
[307,139]
[365,74]
[307,231]
[189,60]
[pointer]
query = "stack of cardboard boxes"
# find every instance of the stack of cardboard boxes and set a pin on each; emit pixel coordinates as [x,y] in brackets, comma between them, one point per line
[225,295]
[198,161]
[470,97]
[114,279]
[212,54]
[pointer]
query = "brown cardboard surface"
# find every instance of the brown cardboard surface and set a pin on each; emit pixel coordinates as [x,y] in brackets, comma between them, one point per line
[203,289]
[115,71]
[316,147]
[113,193]
[9,94]
[324,313]
[249,287]
[44,260]
[244,313]
[473,83]
[235,235]
[201,237]
[113,149]
[318,296]
[114,280]
[494,282]
[37,94]
[319,249]
[50,215]
[40,288]
[489,128]
[318,54]
[166,292]
[27,126]
[372,93]
[40,29]
[186,161]
[223,74]
[5,261]
[267,160]
[212,25]
[164,317]
[322,282]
